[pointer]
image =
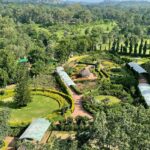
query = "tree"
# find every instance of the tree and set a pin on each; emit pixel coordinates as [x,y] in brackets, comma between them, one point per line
[141,47]
[131,46]
[118,45]
[145,48]
[22,92]
[4,115]
[135,49]
[114,46]
[3,78]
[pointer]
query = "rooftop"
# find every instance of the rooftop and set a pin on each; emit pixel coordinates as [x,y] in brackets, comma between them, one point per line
[23,60]
[145,91]
[36,130]
[137,68]
[64,76]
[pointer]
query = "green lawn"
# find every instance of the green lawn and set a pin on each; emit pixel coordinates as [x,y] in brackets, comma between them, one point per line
[41,106]
[111,99]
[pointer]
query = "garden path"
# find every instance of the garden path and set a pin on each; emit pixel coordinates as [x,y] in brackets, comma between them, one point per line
[79,110]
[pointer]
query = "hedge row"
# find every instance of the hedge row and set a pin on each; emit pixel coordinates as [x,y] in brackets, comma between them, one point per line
[59,96]
[7,94]
[75,89]
[105,74]
[69,99]
[63,85]
[56,97]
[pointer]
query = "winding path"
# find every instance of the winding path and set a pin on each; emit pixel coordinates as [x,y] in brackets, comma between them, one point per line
[79,110]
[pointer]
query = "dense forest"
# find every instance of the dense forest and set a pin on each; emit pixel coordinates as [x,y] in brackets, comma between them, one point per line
[48,32]
[46,36]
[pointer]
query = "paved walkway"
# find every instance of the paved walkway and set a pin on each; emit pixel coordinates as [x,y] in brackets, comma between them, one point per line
[79,110]
[11,143]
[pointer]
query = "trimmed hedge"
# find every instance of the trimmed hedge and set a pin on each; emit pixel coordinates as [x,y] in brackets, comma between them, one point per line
[63,85]
[75,89]
[58,96]
[67,97]
[7,94]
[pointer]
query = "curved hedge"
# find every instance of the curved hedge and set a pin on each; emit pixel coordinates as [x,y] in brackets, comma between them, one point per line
[56,95]
[67,97]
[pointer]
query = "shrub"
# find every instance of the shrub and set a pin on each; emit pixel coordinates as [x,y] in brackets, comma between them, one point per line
[2,92]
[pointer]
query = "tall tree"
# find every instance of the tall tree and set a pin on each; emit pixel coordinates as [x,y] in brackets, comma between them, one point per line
[4,115]
[145,48]
[135,49]
[141,47]
[131,46]
[22,92]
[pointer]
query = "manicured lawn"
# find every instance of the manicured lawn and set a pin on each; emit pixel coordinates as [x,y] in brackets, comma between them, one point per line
[41,106]
[110,100]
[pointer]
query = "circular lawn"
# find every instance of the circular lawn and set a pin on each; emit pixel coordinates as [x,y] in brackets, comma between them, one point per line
[40,106]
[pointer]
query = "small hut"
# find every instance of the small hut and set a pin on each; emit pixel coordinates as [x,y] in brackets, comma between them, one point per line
[85,73]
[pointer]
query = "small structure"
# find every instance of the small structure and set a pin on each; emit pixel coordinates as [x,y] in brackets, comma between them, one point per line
[23,60]
[64,76]
[36,130]
[145,92]
[85,73]
[137,68]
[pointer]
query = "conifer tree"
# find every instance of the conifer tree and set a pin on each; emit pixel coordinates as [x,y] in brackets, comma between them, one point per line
[131,46]
[22,92]
[135,49]
[145,48]
[141,47]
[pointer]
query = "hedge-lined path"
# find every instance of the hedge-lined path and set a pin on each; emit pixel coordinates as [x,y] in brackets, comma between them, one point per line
[79,110]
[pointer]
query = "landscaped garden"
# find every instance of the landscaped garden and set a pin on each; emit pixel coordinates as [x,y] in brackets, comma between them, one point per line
[47,104]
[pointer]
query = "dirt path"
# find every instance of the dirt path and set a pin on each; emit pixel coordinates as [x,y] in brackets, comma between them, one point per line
[79,110]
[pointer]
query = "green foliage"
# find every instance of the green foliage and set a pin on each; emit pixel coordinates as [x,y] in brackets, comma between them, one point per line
[75,89]
[4,115]
[124,126]
[22,92]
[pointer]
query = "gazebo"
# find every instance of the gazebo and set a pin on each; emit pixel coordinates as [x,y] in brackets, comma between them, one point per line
[85,73]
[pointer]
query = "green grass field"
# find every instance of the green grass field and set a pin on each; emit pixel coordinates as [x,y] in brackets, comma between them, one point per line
[109,100]
[41,106]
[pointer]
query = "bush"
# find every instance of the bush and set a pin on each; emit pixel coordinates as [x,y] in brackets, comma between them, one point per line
[16,131]
[2,92]
[7,94]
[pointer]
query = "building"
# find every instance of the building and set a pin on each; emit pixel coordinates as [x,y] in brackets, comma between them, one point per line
[36,130]
[145,92]
[64,76]
[85,73]
[137,68]
[143,86]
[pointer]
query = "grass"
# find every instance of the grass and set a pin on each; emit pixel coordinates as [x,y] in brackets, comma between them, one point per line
[62,135]
[111,99]
[41,106]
